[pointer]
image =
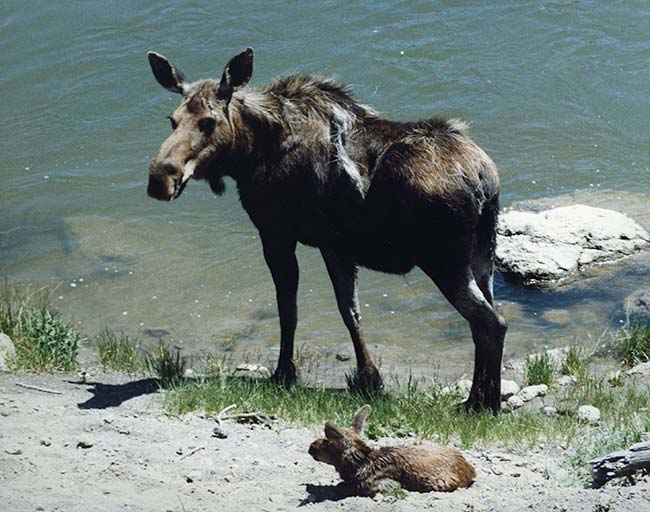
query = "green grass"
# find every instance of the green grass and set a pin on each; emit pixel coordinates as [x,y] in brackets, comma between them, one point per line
[576,362]
[539,369]
[634,344]
[421,409]
[44,341]
[119,352]
[167,366]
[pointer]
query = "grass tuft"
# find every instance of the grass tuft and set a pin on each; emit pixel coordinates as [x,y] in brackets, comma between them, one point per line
[634,347]
[167,366]
[539,369]
[119,352]
[576,362]
[44,341]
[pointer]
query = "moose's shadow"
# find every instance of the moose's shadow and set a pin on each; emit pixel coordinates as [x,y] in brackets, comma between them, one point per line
[113,395]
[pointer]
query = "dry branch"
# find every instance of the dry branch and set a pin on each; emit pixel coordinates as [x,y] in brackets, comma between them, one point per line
[621,463]
[36,388]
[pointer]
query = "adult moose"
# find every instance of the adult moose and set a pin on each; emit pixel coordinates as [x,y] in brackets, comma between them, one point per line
[313,165]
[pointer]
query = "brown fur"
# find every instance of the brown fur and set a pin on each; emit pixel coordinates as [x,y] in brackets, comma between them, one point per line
[422,466]
[313,165]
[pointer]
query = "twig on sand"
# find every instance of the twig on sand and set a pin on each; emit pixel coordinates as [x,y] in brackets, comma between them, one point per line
[36,388]
[192,452]
[223,411]
[252,417]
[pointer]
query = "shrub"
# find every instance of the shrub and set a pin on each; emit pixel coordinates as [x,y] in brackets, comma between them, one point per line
[168,367]
[121,353]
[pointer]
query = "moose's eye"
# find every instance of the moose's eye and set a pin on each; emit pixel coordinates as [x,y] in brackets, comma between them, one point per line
[174,123]
[207,124]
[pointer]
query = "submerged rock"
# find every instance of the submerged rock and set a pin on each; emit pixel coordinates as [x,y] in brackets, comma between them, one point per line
[546,247]
[637,306]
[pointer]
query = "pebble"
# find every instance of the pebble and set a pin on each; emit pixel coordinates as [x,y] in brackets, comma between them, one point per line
[567,380]
[219,433]
[193,476]
[85,443]
[342,356]
[13,451]
[549,410]
[497,470]
[46,442]
[589,414]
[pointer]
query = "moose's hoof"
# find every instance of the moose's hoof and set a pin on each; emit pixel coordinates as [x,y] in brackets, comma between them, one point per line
[285,375]
[366,381]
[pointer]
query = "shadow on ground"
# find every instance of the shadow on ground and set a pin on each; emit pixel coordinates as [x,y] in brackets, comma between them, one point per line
[113,395]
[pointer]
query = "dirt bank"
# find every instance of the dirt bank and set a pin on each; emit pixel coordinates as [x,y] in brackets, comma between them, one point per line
[107,445]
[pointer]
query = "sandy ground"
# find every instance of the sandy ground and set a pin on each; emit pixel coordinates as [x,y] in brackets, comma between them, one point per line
[137,458]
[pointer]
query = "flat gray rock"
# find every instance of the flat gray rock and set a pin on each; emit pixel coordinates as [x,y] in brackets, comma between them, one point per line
[7,351]
[549,246]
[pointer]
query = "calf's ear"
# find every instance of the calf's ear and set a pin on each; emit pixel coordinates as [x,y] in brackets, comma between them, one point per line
[236,74]
[360,419]
[166,73]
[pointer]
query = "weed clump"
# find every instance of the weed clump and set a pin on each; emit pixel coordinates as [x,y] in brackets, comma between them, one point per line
[44,341]
[119,352]
[166,365]
[634,347]
[539,369]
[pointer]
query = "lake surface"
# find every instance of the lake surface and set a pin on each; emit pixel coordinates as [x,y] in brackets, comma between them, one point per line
[557,93]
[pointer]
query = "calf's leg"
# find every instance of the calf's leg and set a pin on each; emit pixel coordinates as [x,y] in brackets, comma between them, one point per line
[488,332]
[343,273]
[280,256]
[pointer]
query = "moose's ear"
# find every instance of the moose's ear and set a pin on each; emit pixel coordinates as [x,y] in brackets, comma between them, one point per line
[236,74]
[332,433]
[360,419]
[166,73]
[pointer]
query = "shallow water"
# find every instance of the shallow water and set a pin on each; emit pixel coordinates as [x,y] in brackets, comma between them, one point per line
[557,93]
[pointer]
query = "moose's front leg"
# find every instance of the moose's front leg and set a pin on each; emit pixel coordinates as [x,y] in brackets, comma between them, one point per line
[343,273]
[280,256]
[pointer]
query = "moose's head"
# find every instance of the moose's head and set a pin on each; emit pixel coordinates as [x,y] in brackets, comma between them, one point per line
[202,126]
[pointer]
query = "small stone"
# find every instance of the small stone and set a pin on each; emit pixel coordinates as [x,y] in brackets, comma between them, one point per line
[219,433]
[508,388]
[342,356]
[460,388]
[86,443]
[549,410]
[567,380]
[193,476]
[46,442]
[109,419]
[530,392]
[13,451]
[254,369]
[515,402]
[189,373]
[589,414]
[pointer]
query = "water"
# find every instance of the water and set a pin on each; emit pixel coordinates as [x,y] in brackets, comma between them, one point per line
[557,93]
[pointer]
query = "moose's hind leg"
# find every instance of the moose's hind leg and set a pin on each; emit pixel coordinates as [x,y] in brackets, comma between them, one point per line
[488,332]
[343,273]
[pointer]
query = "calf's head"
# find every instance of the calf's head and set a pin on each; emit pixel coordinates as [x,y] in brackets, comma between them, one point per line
[202,127]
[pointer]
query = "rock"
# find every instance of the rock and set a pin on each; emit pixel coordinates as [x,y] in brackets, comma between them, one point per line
[219,432]
[189,373]
[546,247]
[46,441]
[530,392]
[549,410]
[637,306]
[589,414]
[86,442]
[342,356]
[13,451]
[193,476]
[257,370]
[515,402]
[508,388]
[7,352]
[567,380]
[640,369]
